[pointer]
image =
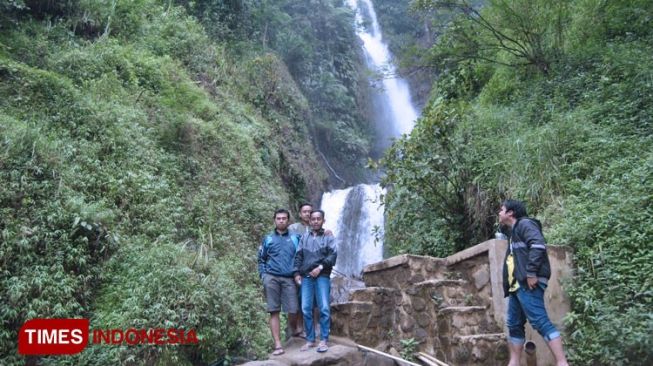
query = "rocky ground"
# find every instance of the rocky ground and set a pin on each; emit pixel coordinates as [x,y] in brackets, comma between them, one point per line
[342,352]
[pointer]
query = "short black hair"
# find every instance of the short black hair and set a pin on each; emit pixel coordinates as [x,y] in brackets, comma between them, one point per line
[320,211]
[518,208]
[301,205]
[281,210]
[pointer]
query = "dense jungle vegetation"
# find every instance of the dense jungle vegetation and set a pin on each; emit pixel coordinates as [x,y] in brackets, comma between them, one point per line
[550,102]
[145,145]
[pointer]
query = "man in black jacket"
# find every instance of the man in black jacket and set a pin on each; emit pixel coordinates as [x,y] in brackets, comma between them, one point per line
[526,273]
[315,258]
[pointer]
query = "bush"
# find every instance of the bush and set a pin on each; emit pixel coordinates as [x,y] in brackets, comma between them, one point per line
[573,142]
[137,179]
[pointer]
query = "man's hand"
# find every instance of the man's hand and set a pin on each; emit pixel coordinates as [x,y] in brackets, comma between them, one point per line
[532,282]
[298,279]
[328,232]
[316,271]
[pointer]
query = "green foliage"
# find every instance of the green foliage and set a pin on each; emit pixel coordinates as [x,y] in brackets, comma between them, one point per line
[231,20]
[408,348]
[9,10]
[426,170]
[612,297]
[139,162]
[317,42]
[306,44]
[573,142]
[515,33]
[400,25]
[179,292]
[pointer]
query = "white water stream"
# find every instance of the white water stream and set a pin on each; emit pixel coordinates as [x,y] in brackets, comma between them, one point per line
[354,213]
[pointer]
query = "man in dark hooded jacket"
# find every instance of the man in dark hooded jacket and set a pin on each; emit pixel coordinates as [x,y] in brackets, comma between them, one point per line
[526,273]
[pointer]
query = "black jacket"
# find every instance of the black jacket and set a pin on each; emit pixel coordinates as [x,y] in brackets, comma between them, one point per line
[529,251]
[315,249]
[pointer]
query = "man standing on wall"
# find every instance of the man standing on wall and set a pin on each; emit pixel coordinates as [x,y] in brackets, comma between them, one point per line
[313,263]
[276,257]
[526,272]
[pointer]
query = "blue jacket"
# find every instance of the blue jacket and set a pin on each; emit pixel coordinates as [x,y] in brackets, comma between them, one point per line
[276,255]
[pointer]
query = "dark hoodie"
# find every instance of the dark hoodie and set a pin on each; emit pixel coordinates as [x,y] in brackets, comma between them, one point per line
[529,250]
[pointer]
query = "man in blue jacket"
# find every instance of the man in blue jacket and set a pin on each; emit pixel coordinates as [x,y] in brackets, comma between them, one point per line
[276,257]
[526,273]
[314,261]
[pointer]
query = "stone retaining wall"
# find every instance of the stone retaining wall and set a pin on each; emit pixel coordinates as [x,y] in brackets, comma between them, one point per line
[453,307]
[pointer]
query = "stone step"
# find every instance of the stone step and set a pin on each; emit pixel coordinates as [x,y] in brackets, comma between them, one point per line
[465,320]
[445,293]
[342,352]
[402,271]
[361,321]
[479,349]
[378,295]
[462,310]
[352,307]
[487,337]
[342,287]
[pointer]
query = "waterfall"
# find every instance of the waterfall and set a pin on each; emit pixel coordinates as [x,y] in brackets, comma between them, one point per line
[358,227]
[354,214]
[394,113]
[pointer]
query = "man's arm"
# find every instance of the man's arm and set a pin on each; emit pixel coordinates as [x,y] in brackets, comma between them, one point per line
[330,260]
[299,260]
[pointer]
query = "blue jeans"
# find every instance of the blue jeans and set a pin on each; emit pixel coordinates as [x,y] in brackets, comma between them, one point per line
[528,304]
[316,289]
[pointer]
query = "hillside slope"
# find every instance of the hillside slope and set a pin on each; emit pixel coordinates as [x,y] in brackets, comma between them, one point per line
[140,162]
[550,102]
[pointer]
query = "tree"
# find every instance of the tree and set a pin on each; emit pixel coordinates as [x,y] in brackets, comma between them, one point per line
[515,33]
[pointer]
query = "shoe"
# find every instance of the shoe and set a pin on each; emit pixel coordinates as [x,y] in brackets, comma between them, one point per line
[307,346]
[301,334]
[322,347]
[278,351]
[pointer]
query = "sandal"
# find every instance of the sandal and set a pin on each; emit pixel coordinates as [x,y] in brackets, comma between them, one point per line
[278,351]
[307,346]
[322,347]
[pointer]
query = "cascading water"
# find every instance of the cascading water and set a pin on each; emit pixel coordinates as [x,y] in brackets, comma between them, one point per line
[358,216]
[395,91]
[356,211]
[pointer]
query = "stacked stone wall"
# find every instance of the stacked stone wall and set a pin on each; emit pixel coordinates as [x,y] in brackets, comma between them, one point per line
[452,307]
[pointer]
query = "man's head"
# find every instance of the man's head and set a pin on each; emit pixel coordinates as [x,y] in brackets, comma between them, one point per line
[281,219]
[305,210]
[317,220]
[511,211]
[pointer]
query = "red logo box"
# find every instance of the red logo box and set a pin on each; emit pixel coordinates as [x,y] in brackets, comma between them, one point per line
[53,336]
